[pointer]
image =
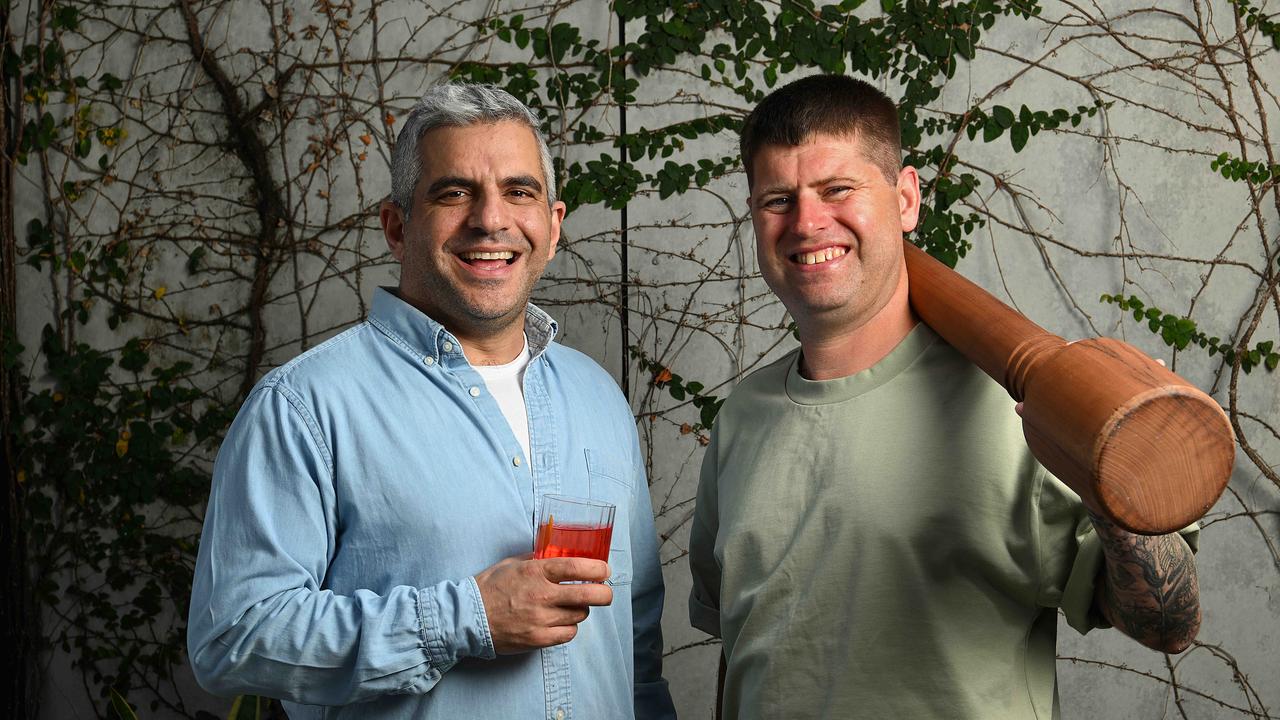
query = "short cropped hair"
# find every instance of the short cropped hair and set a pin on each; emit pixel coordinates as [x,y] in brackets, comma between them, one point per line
[458,105]
[826,105]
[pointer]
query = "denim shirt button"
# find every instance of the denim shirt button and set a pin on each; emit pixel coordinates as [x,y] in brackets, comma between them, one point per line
[447,347]
[429,360]
[475,391]
[559,713]
[516,461]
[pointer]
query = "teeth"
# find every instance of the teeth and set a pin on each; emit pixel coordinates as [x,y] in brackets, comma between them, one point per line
[504,255]
[821,256]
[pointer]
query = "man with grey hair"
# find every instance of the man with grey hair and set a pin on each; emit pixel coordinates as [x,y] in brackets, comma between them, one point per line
[366,548]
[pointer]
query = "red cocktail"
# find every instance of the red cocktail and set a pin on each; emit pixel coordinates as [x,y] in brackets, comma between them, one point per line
[573,527]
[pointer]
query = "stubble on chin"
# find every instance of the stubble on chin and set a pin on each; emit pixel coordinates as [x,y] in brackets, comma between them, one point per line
[483,307]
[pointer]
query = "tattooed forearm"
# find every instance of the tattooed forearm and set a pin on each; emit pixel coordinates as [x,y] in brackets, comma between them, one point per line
[1148,588]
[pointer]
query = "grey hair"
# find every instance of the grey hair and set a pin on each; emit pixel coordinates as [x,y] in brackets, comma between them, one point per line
[457,105]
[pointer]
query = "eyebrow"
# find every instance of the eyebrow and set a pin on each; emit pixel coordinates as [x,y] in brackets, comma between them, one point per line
[784,189]
[774,189]
[450,181]
[833,178]
[525,181]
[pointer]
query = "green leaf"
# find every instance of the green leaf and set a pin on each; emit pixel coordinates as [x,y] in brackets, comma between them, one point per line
[53,55]
[193,260]
[708,415]
[1018,135]
[121,707]
[66,18]
[133,357]
[1003,115]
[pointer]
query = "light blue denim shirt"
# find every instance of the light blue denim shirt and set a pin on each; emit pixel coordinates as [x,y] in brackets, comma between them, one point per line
[363,486]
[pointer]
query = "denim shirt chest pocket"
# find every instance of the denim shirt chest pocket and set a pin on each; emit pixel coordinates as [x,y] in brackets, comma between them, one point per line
[607,482]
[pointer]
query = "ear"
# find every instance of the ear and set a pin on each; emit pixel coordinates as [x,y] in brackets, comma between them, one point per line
[908,190]
[392,219]
[558,209]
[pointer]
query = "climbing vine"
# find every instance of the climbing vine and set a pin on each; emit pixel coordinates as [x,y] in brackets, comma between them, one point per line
[191,192]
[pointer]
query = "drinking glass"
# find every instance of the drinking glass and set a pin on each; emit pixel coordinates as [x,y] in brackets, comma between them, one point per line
[573,527]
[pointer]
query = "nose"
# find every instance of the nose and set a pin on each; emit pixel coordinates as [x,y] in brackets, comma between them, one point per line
[810,216]
[488,214]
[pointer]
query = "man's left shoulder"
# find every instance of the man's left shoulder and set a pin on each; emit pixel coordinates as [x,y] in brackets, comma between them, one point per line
[567,361]
[587,385]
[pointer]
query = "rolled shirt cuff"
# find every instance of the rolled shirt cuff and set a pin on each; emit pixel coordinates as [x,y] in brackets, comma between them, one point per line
[453,623]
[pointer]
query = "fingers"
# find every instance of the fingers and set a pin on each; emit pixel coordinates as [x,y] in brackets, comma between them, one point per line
[1018,409]
[562,617]
[528,607]
[532,638]
[586,578]
[558,635]
[580,596]
[570,569]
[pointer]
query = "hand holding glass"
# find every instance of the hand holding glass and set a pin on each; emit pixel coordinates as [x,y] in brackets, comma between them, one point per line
[573,527]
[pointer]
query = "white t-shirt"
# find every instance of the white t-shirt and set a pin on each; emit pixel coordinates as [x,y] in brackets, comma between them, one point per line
[506,382]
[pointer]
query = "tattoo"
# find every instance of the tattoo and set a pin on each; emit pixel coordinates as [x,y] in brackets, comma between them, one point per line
[1148,587]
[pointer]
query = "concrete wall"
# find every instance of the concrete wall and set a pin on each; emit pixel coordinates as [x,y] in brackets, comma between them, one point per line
[1125,202]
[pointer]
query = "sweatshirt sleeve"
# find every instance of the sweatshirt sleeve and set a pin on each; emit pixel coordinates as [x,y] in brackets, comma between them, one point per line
[1069,553]
[704,598]
[261,619]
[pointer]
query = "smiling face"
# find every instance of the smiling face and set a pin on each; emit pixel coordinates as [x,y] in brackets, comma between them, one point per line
[479,232]
[829,230]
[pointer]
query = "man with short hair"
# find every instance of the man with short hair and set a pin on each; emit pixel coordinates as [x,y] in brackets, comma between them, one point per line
[872,537]
[365,553]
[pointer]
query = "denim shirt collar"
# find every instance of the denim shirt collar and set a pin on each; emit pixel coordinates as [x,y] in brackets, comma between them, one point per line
[416,332]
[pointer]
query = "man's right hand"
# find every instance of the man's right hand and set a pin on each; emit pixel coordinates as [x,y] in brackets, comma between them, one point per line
[527,606]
